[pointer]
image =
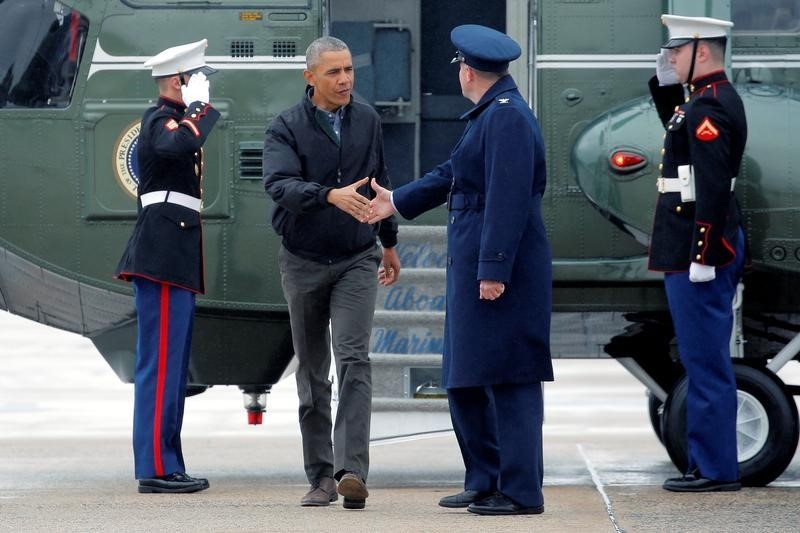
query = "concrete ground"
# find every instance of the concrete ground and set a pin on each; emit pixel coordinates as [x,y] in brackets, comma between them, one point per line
[66,460]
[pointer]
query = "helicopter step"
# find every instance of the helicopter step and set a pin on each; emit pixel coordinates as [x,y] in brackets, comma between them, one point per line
[408,328]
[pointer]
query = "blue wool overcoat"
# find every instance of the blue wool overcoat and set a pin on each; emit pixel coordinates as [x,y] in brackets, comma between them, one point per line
[493,184]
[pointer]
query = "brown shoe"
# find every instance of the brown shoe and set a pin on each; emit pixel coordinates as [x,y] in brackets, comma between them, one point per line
[354,491]
[322,492]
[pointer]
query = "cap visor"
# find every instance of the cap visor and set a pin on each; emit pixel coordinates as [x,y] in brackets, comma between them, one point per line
[208,71]
[675,43]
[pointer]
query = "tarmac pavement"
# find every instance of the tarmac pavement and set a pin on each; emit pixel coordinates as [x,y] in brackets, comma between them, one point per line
[66,459]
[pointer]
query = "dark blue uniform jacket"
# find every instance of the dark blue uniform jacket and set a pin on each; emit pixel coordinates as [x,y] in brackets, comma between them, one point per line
[167,241]
[709,132]
[495,178]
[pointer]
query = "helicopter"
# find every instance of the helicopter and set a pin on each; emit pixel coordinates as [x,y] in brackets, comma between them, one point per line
[73,88]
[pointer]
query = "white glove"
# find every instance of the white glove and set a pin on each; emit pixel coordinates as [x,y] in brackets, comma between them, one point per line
[665,71]
[196,90]
[701,273]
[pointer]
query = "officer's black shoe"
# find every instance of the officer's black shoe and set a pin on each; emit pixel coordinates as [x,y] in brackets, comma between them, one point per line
[693,482]
[501,505]
[464,498]
[177,482]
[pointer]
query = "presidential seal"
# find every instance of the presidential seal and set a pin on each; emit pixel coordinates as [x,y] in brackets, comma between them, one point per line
[126,167]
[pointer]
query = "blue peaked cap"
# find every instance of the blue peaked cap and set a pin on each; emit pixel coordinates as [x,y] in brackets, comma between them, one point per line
[483,48]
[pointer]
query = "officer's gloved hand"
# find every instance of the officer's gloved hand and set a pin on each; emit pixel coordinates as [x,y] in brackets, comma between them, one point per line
[196,90]
[665,71]
[700,273]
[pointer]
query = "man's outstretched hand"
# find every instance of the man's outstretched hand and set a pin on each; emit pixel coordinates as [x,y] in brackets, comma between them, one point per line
[381,206]
[349,200]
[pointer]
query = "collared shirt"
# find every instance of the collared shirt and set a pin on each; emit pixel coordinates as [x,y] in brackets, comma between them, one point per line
[331,118]
[335,119]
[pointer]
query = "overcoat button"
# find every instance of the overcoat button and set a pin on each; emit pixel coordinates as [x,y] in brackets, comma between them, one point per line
[702,230]
[678,209]
[183,224]
[699,243]
[500,255]
[698,257]
[452,219]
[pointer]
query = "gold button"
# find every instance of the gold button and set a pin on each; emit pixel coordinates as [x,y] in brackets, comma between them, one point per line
[183,224]
[678,209]
[663,151]
[194,115]
[702,230]
[660,166]
[699,243]
[664,136]
[698,257]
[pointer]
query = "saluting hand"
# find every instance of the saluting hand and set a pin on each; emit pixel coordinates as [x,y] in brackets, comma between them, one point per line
[349,200]
[492,290]
[381,206]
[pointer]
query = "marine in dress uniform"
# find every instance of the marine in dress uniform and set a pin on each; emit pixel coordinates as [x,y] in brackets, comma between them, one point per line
[498,277]
[164,261]
[697,238]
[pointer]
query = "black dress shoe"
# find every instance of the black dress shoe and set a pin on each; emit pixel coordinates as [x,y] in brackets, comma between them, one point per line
[501,505]
[695,483]
[464,498]
[177,482]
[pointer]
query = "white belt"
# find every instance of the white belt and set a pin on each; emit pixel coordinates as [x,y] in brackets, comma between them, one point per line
[171,197]
[674,184]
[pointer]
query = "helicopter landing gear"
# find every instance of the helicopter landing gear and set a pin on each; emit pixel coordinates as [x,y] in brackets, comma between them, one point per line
[766,425]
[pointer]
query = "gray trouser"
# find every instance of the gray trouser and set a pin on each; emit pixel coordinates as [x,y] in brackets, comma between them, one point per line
[342,294]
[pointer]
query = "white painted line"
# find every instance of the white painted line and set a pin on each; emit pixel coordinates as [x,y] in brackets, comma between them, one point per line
[411,438]
[599,486]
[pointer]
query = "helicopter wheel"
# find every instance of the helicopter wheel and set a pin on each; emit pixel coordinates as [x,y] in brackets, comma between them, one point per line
[655,408]
[766,425]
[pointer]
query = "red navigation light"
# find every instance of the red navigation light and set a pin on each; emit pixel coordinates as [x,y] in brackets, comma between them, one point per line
[625,161]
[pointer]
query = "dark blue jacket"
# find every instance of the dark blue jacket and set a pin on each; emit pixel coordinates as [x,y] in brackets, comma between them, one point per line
[167,241]
[708,132]
[495,178]
[304,160]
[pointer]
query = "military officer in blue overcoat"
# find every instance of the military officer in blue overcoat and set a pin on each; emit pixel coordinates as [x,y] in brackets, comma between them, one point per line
[164,261]
[697,238]
[496,348]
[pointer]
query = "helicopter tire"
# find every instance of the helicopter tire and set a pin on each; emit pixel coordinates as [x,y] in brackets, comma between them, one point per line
[194,390]
[654,408]
[766,425]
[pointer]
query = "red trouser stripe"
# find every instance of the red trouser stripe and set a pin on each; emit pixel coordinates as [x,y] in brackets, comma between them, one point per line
[163,343]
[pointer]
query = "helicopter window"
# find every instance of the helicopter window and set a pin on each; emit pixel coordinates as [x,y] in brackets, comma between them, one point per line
[766,16]
[41,43]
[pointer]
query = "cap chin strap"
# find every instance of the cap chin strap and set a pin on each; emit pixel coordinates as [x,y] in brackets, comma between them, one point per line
[689,79]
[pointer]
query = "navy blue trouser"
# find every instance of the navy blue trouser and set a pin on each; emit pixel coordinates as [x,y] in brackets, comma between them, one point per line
[165,316]
[703,317]
[499,431]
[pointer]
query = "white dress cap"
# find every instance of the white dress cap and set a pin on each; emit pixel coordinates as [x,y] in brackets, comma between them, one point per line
[683,30]
[180,60]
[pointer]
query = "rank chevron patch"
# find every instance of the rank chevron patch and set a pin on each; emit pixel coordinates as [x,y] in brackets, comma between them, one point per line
[706,131]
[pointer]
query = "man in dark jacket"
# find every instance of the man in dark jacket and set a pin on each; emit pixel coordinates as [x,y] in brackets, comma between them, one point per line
[497,325]
[164,261]
[318,158]
[697,238]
